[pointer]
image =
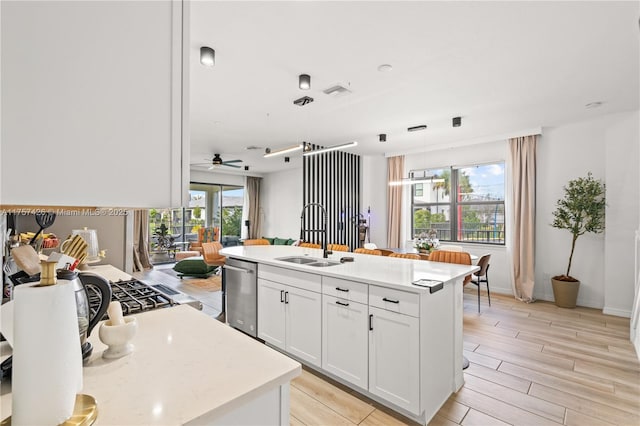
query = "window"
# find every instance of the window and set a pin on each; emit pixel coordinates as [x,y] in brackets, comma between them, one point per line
[464,204]
[210,205]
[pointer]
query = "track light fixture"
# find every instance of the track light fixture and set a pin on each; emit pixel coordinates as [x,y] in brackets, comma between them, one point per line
[269,153]
[456,121]
[330,148]
[304,81]
[417,128]
[207,56]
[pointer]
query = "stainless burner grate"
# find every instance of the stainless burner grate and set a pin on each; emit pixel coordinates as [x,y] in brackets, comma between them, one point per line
[134,296]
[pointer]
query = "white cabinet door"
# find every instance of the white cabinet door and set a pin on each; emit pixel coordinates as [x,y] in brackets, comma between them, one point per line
[345,339]
[304,324]
[92,108]
[394,358]
[271,313]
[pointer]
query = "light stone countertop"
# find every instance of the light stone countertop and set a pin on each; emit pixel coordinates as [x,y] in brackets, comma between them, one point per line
[379,270]
[184,365]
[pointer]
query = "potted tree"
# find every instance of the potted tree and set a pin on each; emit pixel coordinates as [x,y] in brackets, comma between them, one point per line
[581,210]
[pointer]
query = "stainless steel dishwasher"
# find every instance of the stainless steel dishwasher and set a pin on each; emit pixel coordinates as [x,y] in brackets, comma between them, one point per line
[240,279]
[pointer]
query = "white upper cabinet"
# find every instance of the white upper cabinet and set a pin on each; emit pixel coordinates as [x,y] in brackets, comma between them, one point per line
[94,103]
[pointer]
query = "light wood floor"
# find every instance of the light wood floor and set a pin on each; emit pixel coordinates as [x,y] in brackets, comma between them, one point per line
[531,364]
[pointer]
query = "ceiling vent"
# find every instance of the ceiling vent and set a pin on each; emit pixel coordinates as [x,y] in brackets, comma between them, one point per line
[303,101]
[336,91]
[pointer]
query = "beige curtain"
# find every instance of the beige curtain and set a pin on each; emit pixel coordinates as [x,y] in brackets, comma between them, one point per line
[395,172]
[141,240]
[253,192]
[523,215]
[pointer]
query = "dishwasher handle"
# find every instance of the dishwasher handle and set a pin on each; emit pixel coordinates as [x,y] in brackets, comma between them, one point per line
[235,268]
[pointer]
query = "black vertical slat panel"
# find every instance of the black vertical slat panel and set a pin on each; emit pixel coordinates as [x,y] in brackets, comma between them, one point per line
[340,205]
[358,191]
[349,198]
[352,203]
[304,189]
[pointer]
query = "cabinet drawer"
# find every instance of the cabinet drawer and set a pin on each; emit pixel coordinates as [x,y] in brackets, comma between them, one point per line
[395,300]
[343,289]
[290,277]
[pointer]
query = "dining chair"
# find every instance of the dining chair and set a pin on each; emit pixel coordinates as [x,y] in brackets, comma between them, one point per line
[367,251]
[482,276]
[211,254]
[310,245]
[338,247]
[459,257]
[256,242]
[413,256]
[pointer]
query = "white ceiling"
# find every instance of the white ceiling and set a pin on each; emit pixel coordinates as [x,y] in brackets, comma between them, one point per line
[502,66]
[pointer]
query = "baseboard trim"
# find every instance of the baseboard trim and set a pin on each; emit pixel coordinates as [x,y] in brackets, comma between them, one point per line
[617,312]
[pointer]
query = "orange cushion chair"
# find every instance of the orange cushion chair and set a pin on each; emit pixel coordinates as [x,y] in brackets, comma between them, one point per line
[337,247]
[211,254]
[257,242]
[367,251]
[310,245]
[459,257]
[413,256]
[205,235]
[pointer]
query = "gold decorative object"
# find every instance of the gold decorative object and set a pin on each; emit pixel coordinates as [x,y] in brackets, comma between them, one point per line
[85,412]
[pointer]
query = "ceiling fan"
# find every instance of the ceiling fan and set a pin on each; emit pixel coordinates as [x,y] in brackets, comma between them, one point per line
[217,161]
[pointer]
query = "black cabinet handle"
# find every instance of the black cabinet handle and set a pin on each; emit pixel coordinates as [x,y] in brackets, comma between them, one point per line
[286,297]
[371,322]
[281,296]
[346,290]
[390,300]
[341,303]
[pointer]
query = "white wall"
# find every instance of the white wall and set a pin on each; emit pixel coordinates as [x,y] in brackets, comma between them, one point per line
[281,199]
[566,152]
[198,176]
[621,159]
[374,196]
[465,155]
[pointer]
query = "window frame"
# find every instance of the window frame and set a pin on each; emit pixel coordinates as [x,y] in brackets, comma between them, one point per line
[453,204]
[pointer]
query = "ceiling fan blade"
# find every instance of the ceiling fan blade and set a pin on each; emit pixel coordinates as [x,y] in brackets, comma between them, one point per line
[232,161]
[231,165]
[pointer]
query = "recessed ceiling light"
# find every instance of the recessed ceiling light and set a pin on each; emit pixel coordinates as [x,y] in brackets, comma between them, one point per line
[382,137]
[594,104]
[207,56]
[385,68]
[304,81]
[456,121]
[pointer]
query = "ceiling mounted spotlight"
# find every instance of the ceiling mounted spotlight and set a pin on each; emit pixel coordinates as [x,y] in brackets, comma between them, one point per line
[246,168]
[417,128]
[207,56]
[304,81]
[287,159]
[456,121]
[382,137]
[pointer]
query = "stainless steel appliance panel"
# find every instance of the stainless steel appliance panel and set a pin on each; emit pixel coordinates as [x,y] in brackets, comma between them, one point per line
[241,293]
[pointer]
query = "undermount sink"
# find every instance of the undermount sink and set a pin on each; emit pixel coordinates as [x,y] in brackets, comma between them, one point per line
[301,260]
[310,261]
[323,263]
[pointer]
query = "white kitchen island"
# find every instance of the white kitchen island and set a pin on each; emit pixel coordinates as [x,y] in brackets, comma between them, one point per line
[364,323]
[186,368]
